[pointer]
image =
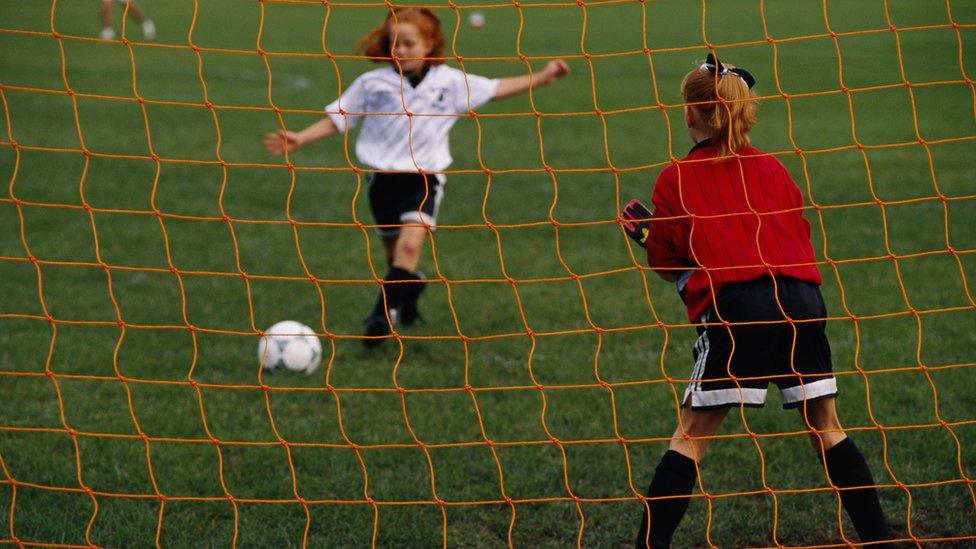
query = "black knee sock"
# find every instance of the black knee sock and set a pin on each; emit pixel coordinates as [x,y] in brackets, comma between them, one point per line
[847,469]
[394,292]
[675,476]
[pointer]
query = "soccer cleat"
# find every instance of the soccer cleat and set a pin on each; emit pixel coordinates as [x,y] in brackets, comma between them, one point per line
[149,29]
[108,33]
[378,327]
[409,314]
[637,221]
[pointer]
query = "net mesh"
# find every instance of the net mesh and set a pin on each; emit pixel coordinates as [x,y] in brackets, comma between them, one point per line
[42,372]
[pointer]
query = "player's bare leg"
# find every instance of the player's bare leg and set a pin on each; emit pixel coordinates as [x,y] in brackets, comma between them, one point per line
[128,7]
[676,474]
[402,287]
[846,469]
[693,434]
[407,257]
[822,423]
[406,252]
[108,33]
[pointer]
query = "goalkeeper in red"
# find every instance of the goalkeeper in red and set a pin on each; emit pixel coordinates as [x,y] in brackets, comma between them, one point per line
[727,227]
[406,110]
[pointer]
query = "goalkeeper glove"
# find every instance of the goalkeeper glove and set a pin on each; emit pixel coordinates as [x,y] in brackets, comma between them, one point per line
[637,221]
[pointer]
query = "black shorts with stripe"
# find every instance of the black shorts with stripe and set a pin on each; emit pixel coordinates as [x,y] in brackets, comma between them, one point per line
[399,198]
[760,332]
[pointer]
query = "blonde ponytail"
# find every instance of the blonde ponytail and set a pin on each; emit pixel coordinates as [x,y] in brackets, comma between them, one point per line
[724,101]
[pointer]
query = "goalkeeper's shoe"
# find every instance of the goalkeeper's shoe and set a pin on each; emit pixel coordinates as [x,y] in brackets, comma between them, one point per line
[637,221]
[378,327]
[409,314]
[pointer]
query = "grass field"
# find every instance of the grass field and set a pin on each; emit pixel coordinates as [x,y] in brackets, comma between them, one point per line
[533,405]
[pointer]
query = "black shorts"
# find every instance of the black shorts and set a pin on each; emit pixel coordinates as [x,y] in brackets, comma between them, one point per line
[399,198]
[735,363]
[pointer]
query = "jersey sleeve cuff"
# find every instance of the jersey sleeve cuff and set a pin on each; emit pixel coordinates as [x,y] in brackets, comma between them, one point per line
[338,119]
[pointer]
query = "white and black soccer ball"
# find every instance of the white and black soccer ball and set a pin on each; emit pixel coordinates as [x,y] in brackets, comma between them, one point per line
[290,345]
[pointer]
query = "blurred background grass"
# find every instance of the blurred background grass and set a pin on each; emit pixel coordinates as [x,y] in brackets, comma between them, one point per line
[892,221]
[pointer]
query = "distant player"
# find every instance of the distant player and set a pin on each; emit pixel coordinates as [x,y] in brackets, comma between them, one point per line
[728,227]
[108,33]
[407,109]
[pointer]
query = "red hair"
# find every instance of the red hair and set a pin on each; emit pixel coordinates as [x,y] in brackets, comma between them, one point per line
[378,44]
[724,103]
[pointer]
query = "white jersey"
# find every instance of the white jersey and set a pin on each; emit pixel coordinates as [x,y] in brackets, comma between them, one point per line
[392,141]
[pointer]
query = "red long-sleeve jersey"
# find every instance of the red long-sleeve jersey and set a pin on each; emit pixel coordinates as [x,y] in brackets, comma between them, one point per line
[728,221]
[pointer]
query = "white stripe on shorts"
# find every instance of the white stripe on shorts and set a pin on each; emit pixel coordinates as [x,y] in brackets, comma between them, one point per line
[701,350]
[724,397]
[809,391]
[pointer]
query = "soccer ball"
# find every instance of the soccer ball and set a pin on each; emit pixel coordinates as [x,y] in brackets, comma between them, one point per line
[291,345]
[476,19]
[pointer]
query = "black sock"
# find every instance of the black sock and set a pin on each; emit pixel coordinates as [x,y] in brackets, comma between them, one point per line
[411,294]
[847,469]
[675,476]
[395,293]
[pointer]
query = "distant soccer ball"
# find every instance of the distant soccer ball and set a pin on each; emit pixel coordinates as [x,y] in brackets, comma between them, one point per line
[291,345]
[476,19]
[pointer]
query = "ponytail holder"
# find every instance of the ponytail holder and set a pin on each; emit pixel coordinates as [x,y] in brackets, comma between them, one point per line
[713,66]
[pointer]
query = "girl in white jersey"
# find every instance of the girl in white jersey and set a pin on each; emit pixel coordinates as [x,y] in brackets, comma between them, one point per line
[407,109]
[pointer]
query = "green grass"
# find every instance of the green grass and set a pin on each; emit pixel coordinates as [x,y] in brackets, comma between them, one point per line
[894,219]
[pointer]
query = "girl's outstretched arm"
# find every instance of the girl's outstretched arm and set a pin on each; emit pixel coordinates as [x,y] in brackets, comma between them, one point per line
[283,140]
[515,85]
